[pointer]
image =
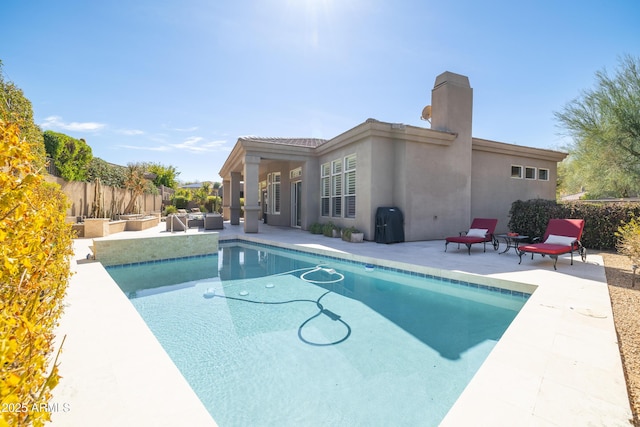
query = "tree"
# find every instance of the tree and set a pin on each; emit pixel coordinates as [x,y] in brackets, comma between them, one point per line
[136,183]
[109,174]
[71,156]
[604,123]
[165,175]
[181,198]
[16,108]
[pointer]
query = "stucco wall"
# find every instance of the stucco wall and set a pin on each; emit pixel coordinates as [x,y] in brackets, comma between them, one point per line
[493,189]
[364,171]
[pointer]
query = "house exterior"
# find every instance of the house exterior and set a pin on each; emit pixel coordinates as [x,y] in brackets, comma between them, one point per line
[440,178]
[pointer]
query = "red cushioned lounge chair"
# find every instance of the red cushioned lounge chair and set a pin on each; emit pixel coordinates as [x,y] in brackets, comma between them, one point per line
[561,237]
[481,231]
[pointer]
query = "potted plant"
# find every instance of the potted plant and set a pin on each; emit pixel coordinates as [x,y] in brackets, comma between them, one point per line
[331,230]
[352,234]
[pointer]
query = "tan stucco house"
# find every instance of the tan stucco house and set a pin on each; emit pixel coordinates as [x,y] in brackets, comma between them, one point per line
[440,178]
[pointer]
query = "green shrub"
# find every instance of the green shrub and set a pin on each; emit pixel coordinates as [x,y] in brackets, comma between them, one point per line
[36,245]
[316,228]
[530,218]
[328,228]
[170,210]
[602,220]
[629,240]
[180,202]
[71,156]
[347,232]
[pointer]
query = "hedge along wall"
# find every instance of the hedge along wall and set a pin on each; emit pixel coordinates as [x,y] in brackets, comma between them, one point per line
[602,219]
[35,247]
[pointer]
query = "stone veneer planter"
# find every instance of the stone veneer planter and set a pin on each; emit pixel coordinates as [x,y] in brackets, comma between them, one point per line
[96,227]
[139,224]
[117,226]
[102,227]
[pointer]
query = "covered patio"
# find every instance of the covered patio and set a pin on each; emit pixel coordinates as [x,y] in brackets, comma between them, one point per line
[248,168]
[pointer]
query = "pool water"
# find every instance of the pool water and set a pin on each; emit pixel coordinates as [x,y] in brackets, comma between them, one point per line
[279,338]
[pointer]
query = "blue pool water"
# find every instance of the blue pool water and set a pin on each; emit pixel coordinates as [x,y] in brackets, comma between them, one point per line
[272,337]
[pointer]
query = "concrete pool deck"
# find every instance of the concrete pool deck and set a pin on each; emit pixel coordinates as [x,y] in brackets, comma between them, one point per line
[558,364]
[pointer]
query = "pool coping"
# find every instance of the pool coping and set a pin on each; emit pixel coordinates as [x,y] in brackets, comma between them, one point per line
[557,364]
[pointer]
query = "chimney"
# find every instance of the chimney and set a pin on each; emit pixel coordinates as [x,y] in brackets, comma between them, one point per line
[452,105]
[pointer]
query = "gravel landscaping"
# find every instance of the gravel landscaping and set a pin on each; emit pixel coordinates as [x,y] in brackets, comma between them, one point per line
[625,300]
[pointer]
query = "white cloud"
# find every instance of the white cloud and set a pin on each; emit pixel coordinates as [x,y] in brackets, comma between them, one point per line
[191,129]
[55,122]
[194,144]
[142,148]
[130,132]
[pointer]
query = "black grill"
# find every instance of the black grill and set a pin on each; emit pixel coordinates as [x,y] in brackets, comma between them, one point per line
[389,225]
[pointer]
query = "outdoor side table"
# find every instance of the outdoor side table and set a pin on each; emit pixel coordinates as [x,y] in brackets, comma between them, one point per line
[512,241]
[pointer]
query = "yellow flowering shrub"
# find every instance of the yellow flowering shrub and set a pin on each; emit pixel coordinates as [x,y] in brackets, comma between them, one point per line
[629,240]
[35,249]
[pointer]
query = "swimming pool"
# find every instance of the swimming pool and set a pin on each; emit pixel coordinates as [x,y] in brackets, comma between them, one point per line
[272,337]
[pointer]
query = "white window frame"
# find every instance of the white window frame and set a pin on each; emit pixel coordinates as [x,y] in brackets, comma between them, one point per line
[350,177]
[532,170]
[274,192]
[519,175]
[546,177]
[337,180]
[295,173]
[338,188]
[325,189]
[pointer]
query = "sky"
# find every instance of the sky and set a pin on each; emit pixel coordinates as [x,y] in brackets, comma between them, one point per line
[177,82]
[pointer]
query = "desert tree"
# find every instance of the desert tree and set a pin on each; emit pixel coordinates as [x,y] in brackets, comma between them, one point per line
[604,124]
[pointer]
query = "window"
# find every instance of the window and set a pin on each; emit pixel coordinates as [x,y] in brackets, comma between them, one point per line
[295,173]
[543,174]
[273,192]
[325,190]
[516,171]
[338,188]
[350,186]
[529,173]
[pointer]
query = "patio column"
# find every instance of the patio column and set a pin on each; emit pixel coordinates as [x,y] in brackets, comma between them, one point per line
[310,193]
[251,206]
[226,199]
[234,206]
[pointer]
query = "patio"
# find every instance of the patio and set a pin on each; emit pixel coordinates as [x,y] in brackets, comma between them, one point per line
[558,364]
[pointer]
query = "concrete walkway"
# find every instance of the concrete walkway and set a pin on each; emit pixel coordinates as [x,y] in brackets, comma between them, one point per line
[558,364]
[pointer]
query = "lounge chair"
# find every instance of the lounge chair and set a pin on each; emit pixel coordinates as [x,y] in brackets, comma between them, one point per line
[561,237]
[481,231]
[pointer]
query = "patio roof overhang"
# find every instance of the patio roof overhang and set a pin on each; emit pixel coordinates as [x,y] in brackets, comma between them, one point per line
[517,150]
[266,149]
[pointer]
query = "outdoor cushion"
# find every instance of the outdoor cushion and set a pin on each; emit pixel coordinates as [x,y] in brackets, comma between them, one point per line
[477,232]
[545,248]
[559,240]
